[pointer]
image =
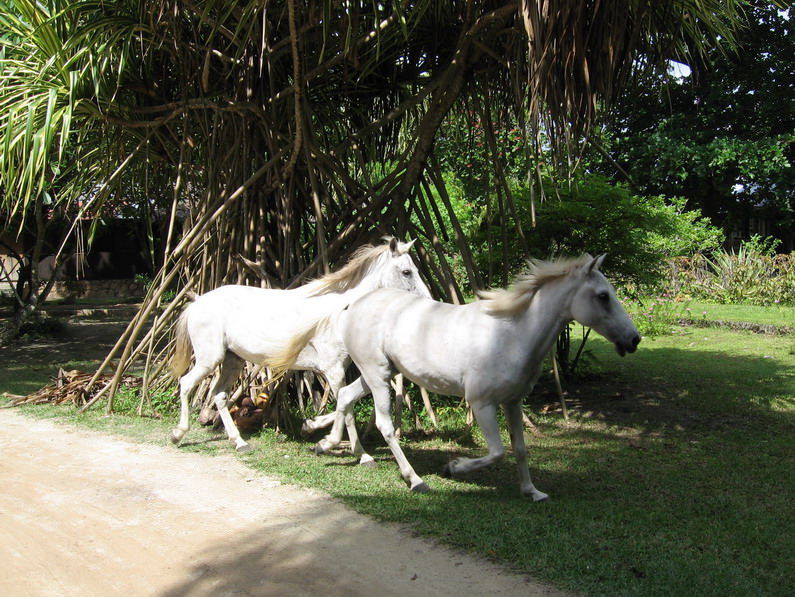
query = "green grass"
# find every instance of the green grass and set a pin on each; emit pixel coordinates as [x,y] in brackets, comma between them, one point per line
[655,316]
[778,315]
[23,378]
[674,476]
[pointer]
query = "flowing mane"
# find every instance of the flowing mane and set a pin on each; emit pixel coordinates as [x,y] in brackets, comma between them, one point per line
[352,273]
[510,301]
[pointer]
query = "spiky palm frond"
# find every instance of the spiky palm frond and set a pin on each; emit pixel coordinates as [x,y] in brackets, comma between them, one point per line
[581,51]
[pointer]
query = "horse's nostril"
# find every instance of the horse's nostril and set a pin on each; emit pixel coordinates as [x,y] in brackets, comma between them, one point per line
[636,340]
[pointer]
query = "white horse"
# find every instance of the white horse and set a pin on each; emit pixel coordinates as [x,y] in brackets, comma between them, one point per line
[490,352]
[235,323]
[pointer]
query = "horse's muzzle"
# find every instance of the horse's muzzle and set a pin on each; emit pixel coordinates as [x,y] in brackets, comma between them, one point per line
[623,348]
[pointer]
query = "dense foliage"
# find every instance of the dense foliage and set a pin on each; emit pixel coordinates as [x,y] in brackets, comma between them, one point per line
[721,136]
[744,276]
[588,214]
[638,233]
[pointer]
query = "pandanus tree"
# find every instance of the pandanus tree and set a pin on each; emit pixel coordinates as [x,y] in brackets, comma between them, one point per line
[267,140]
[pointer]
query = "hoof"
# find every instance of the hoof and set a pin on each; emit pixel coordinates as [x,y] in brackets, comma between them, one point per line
[537,496]
[175,438]
[243,448]
[421,488]
[447,472]
[305,429]
[369,463]
[317,449]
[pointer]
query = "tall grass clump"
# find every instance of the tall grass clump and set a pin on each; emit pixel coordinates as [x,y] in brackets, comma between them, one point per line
[753,274]
[656,315]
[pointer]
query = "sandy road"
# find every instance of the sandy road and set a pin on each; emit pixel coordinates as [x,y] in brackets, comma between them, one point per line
[84,514]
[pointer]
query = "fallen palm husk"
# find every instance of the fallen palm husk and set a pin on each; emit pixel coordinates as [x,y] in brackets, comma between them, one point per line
[70,386]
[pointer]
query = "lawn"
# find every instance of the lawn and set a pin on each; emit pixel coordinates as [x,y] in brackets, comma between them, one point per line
[778,315]
[673,476]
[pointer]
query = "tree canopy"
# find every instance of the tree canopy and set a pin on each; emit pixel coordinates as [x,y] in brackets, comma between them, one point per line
[721,136]
[291,132]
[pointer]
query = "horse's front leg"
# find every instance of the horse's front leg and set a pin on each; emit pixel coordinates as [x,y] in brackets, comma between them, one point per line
[324,421]
[513,413]
[334,372]
[486,416]
[343,417]
[382,400]
[365,459]
[319,422]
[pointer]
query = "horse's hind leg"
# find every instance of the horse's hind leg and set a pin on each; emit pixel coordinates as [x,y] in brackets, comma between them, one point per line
[486,415]
[187,383]
[376,379]
[343,416]
[513,413]
[319,422]
[230,369]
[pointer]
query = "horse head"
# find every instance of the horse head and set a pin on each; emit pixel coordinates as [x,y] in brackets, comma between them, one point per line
[397,269]
[595,305]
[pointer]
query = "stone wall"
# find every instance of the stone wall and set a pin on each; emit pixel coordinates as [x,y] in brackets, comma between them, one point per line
[79,289]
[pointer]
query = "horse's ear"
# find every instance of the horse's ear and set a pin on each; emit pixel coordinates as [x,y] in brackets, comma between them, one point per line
[596,263]
[399,248]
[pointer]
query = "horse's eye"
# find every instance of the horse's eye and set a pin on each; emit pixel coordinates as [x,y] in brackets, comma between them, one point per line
[406,272]
[603,297]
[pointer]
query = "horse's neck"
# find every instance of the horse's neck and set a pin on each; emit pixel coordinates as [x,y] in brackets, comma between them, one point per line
[370,281]
[548,313]
[367,284]
[305,290]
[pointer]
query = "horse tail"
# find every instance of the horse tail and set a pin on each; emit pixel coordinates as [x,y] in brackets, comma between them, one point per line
[284,360]
[180,361]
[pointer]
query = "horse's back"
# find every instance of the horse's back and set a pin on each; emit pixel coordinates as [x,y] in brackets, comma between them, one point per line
[251,322]
[429,342]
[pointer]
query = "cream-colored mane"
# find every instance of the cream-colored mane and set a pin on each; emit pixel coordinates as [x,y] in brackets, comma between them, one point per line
[516,298]
[352,273]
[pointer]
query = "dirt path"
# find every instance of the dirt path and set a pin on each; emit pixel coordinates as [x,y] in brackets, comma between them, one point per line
[84,514]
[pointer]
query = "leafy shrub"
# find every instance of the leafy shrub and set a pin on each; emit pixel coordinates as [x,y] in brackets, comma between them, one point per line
[750,275]
[655,316]
[595,216]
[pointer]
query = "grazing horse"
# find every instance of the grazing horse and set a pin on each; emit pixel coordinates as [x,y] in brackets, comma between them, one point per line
[490,352]
[233,324]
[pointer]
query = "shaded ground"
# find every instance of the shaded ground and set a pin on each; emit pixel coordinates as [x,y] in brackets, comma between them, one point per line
[87,514]
[78,333]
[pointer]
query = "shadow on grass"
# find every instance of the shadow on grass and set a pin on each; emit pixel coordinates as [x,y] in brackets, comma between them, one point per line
[219,437]
[685,389]
[665,517]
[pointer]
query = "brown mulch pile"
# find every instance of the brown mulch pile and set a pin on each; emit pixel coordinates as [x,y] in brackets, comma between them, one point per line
[70,386]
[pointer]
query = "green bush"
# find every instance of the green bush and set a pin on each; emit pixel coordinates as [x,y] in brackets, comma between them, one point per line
[749,275]
[655,316]
[594,216]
